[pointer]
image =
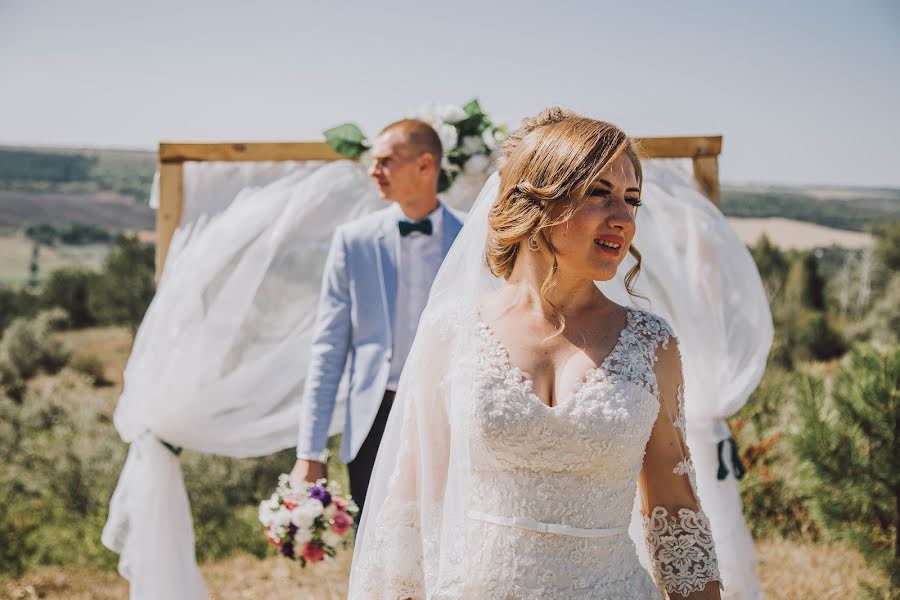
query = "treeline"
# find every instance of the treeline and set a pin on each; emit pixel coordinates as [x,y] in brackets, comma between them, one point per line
[73,234]
[123,172]
[856,214]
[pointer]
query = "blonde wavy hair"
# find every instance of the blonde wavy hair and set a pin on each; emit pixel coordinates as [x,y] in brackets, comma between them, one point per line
[545,169]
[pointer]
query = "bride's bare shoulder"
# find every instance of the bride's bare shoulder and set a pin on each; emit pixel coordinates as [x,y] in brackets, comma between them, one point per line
[494,305]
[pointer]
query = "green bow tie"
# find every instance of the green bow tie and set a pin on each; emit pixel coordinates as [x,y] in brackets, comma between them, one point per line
[406,227]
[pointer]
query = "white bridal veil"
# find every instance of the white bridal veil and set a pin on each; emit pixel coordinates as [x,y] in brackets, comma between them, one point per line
[220,358]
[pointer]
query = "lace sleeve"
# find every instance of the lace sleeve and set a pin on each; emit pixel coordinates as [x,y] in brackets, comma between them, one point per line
[676,529]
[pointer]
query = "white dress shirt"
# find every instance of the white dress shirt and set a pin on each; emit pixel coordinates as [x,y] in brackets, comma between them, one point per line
[419,257]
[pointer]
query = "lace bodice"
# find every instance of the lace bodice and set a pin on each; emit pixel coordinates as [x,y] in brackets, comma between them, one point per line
[583,456]
[551,489]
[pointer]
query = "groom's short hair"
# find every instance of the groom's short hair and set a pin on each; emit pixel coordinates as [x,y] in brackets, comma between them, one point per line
[420,136]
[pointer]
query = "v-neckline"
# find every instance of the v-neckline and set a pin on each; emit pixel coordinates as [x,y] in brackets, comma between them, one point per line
[528,382]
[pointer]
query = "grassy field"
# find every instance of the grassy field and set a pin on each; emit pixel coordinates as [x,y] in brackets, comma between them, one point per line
[789,571]
[15,258]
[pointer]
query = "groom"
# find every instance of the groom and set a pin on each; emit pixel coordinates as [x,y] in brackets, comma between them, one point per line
[375,286]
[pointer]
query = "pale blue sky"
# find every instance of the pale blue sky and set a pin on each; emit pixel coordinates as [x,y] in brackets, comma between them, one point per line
[804,92]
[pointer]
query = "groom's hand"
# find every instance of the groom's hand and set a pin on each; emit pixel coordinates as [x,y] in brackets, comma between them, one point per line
[307,470]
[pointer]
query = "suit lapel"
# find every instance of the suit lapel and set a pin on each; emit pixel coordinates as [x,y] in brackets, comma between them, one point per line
[451,226]
[386,248]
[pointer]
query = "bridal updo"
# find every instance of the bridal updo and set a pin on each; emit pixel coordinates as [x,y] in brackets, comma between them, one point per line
[545,169]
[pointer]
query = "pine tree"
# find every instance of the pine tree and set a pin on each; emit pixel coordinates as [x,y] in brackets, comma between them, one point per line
[849,443]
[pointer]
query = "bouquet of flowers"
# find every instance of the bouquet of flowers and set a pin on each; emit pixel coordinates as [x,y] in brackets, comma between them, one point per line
[308,521]
[468,136]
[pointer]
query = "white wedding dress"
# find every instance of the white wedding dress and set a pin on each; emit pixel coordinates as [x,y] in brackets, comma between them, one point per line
[550,490]
[482,491]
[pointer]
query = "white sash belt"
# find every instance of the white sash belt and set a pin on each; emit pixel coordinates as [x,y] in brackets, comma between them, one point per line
[532,525]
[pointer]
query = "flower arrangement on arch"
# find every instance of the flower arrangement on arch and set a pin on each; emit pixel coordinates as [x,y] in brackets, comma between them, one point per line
[469,137]
[308,522]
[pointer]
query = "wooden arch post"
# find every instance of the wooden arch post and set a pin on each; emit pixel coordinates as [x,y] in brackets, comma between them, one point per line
[704,151]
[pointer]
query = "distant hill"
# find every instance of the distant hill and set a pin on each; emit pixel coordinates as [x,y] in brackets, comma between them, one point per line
[127,173]
[853,209]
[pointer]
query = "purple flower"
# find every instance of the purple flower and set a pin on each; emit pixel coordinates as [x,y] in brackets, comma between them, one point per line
[288,549]
[292,529]
[320,494]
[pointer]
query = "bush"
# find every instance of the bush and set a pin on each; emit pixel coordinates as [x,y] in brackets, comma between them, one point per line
[774,505]
[69,288]
[27,346]
[123,291]
[848,440]
[13,304]
[819,340]
[91,366]
[61,461]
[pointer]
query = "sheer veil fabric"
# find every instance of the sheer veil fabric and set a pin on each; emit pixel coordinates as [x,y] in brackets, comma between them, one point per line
[219,361]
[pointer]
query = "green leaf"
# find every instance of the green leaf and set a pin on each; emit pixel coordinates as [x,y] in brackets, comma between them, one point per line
[473,109]
[347,140]
[445,180]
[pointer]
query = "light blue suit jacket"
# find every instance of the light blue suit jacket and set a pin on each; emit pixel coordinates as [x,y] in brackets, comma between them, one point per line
[355,322]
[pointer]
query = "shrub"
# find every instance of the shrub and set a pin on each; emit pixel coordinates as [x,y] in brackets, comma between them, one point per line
[123,291]
[848,440]
[819,340]
[91,366]
[773,503]
[15,303]
[27,346]
[69,289]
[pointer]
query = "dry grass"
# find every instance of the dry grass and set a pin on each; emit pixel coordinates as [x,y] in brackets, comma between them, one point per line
[789,571]
[794,571]
[112,345]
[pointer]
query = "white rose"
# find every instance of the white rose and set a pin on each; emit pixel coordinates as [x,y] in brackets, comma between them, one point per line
[267,509]
[449,136]
[301,537]
[281,518]
[306,512]
[489,139]
[315,507]
[302,518]
[477,165]
[427,113]
[472,144]
[450,113]
[331,538]
[265,514]
[277,533]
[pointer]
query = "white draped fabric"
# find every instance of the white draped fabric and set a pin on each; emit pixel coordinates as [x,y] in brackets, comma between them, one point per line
[220,358]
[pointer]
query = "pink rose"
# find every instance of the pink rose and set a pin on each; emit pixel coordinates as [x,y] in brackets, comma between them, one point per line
[290,503]
[313,552]
[341,522]
[271,537]
[339,503]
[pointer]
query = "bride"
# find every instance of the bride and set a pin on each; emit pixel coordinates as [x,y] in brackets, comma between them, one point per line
[532,408]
